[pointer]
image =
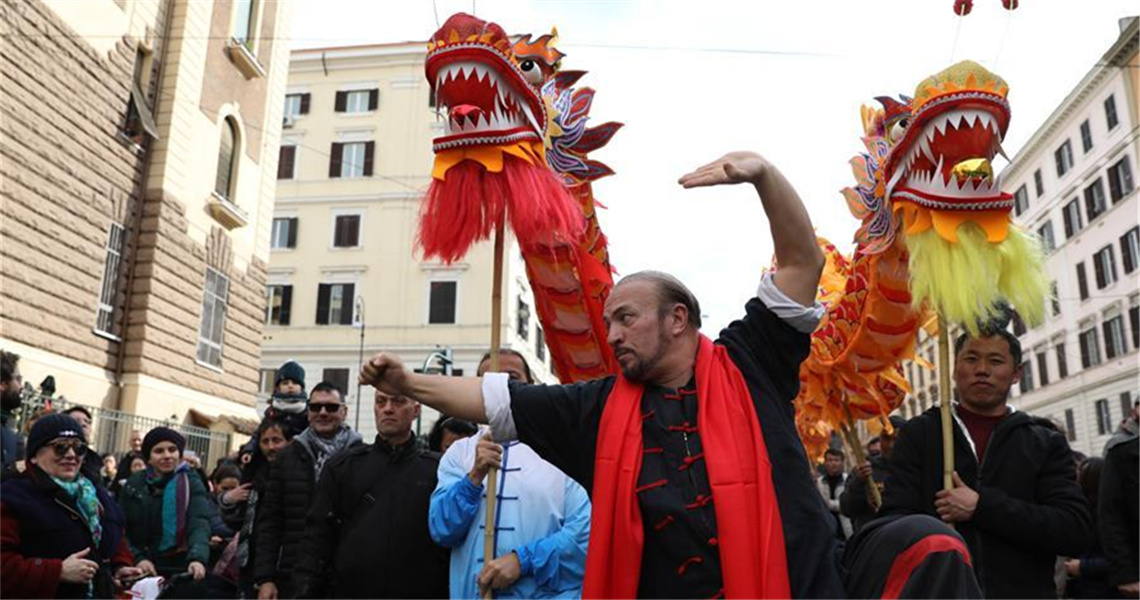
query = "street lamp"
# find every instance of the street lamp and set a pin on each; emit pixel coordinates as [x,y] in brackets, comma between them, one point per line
[444,357]
[360,364]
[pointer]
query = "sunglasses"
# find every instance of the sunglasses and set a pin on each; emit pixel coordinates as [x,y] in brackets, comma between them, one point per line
[325,407]
[61,448]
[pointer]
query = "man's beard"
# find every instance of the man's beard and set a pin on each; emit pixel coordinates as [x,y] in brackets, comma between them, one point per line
[637,373]
[11,399]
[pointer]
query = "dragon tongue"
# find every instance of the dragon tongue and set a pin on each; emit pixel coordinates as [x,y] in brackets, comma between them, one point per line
[465,110]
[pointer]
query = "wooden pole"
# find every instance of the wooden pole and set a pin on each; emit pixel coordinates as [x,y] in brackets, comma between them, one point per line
[496,344]
[944,397]
[848,429]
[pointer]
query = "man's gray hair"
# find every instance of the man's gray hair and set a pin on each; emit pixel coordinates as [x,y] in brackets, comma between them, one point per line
[670,291]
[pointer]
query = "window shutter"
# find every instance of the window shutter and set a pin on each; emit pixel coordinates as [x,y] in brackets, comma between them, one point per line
[1068,222]
[305,100]
[323,291]
[1109,340]
[1114,188]
[346,300]
[352,235]
[1098,270]
[286,303]
[285,162]
[373,99]
[335,158]
[369,154]
[291,242]
[341,101]
[1082,281]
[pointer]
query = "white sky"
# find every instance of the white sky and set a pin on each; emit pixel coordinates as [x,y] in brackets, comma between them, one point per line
[692,80]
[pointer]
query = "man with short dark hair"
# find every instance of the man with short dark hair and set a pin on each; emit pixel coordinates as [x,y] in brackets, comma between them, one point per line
[1015,498]
[292,480]
[367,532]
[831,485]
[11,397]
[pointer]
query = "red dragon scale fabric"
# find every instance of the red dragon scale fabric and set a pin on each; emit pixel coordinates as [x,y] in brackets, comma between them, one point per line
[490,165]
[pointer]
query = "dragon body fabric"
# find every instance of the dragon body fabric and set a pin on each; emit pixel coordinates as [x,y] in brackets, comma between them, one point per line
[935,235]
[516,148]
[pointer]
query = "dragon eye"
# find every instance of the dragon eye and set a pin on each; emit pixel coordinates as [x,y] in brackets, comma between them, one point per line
[897,130]
[532,72]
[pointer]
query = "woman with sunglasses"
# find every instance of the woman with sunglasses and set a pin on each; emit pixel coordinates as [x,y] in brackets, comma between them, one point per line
[167,510]
[61,536]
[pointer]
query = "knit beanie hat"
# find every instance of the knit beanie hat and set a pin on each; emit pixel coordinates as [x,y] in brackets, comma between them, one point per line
[50,427]
[290,370]
[161,434]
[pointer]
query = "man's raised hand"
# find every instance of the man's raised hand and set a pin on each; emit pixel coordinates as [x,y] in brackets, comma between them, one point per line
[734,167]
[386,372]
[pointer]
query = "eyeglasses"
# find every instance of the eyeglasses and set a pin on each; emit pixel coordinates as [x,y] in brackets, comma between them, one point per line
[61,448]
[324,406]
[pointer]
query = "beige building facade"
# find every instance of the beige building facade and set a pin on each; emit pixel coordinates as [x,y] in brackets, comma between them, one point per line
[355,161]
[139,160]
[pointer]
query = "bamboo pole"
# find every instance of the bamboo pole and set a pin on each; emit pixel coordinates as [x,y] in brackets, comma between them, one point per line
[848,430]
[944,396]
[496,344]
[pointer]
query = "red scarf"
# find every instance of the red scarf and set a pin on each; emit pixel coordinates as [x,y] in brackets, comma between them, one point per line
[749,530]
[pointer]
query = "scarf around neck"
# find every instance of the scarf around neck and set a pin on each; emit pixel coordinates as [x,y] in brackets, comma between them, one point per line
[749,529]
[82,492]
[175,507]
[322,448]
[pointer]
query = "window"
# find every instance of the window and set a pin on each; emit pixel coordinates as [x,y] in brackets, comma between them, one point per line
[139,122]
[266,377]
[1120,180]
[1045,232]
[1038,183]
[1063,156]
[441,303]
[922,377]
[1043,368]
[213,318]
[357,101]
[1103,419]
[286,161]
[227,160]
[1110,112]
[1054,298]
[1090,348]
[1070,425]
[539,344]
[337,377]
[1086,136]
[296,105]
[1095,204]
[522,327]
[351,159]
[1018,324]
[1072,215]
[1020,200]
[1082,281]
[1125,405]
[1062,361]
[284,233]
[1130,249]
[346,231]
[1134,321]
[1114,337]
[245,24]
[279,302]
[1026,383]
[334,303]
[1104,265]
[109,289]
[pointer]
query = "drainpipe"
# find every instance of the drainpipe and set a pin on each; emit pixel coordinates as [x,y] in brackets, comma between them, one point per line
[140,192]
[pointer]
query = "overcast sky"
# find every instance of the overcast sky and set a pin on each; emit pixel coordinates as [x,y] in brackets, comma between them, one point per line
[695,79]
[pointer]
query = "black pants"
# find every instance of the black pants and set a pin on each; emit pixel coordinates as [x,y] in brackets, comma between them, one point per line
[916,556]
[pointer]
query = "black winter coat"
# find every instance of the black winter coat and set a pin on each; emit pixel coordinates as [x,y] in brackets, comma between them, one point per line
[280,522]
[1119,510]
[367,533]
[1029,510]
[142,505]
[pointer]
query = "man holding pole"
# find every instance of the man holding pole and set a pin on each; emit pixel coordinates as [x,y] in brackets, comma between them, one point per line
[699,483]
[1015,499]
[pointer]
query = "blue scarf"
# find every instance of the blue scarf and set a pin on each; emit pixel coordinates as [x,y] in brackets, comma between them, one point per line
[83,493]
[175,506]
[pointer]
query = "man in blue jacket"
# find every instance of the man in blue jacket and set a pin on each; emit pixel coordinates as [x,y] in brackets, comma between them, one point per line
[542,524]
